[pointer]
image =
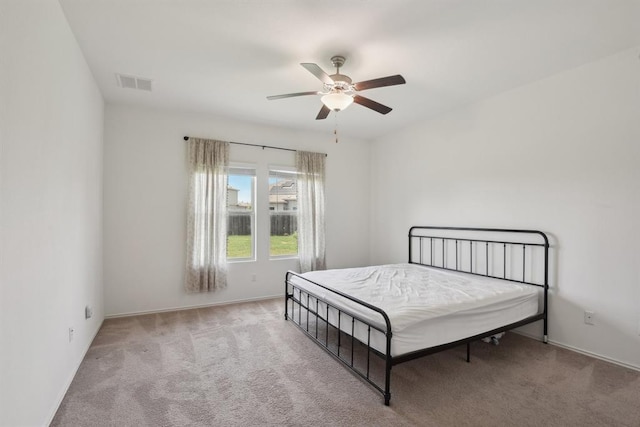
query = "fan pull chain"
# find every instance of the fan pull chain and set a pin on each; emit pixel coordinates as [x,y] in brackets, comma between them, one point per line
[335,131]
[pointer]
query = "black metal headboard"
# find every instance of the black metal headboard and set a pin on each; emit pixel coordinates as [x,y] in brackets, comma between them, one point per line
[515,255]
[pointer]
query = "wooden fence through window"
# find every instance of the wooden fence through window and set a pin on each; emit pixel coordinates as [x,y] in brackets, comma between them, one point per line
[282,224]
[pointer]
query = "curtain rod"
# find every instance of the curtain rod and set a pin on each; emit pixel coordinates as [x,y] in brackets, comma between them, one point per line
[186,138]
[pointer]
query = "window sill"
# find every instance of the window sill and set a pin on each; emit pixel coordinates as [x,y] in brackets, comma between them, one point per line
[283,257]
[240,261]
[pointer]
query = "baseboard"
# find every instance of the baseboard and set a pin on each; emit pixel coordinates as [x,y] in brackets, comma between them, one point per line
[526,334]
[65,389]
[595,355]
[581,351]
[192,307]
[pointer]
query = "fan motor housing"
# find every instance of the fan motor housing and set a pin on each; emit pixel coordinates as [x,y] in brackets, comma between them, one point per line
[340,78]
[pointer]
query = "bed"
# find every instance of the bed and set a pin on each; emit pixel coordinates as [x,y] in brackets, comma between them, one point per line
[459,285]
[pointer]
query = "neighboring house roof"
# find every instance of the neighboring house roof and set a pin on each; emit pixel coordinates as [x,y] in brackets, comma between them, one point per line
[277,198]
[283,192]
[286,186]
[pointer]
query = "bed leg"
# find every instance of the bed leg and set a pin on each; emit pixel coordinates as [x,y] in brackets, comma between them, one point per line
[387,374]
[468,352]
[545,339]
[286,305]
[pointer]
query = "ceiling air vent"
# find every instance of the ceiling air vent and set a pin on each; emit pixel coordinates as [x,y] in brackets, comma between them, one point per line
[133,82]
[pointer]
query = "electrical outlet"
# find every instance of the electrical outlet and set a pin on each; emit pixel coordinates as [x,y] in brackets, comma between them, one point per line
[589,317]
[88,312]
[253,277]
[70,334]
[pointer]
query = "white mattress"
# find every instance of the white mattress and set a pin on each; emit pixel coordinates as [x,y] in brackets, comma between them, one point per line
[426,306]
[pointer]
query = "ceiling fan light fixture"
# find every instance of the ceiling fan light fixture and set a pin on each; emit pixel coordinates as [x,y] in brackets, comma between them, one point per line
[339,91]
[337,101]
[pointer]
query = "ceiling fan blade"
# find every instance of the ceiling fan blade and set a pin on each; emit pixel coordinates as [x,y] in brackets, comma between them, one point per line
[291,95]
[381,82]
[324,112]
[318,72]
[375,106]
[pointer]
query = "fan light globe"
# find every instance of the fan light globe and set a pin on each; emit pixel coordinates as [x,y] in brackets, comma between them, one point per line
[337,101]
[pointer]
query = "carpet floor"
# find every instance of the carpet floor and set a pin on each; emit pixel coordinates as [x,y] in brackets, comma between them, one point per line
[244,365]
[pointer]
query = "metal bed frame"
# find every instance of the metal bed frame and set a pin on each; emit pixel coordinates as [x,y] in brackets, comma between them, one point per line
[444,248]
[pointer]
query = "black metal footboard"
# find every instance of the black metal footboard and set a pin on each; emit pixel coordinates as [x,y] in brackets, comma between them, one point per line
[319,319]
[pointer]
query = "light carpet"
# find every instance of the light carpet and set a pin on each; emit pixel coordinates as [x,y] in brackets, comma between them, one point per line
[244,365]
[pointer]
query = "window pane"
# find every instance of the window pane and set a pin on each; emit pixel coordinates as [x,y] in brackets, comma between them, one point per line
[240,214]
[283,204]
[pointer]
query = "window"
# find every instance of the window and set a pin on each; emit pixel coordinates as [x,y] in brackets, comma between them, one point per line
[283,202]
[241,214]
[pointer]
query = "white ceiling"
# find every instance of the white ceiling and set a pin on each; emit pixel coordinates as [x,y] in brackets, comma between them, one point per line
[225,56]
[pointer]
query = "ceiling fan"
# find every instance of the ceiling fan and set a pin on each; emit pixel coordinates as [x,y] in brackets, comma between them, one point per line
[339,92]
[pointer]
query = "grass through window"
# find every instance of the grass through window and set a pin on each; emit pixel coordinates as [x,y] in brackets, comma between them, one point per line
[240,246]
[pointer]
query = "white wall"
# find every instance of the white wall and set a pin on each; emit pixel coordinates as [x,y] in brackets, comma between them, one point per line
[561,155]
[146,197]
[51,209]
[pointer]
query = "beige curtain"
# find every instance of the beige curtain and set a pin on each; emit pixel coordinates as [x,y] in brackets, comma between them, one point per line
[207,215]
[311,229]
